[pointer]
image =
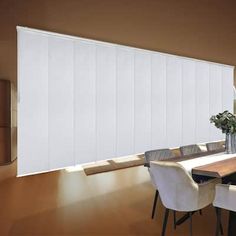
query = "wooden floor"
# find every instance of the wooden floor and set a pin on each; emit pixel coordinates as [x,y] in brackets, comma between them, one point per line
[71,203]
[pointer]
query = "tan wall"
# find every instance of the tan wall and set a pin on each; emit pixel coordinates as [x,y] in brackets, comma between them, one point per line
[204,29]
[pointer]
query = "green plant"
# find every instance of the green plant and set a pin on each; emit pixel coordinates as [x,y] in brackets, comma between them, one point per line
[225,121]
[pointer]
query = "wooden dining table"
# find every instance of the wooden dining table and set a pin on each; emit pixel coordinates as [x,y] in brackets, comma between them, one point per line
[217,168]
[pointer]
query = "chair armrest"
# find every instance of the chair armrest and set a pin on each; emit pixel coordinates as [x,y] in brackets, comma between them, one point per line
[207,192]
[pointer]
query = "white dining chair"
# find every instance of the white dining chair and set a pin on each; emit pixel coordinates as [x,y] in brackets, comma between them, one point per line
[225,198]
[156,155]
[178,191]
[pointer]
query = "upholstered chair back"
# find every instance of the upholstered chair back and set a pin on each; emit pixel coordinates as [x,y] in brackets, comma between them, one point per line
[214,146]
[225,197]
[158,155]
[177,189]
[190,150]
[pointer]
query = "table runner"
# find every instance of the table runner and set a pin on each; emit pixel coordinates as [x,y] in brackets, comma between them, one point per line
[189,164]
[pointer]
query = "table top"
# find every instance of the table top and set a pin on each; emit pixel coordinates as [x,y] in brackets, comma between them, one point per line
[213,164]
[208,164]
[217,169]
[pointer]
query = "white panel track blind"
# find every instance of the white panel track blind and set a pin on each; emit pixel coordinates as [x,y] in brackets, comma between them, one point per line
[83,100]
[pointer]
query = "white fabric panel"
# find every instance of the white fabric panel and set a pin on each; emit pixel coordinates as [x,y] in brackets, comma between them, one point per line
[60,102]
[227,88]
[174,102]
[85,102]
[215,98]
[33,105]
[142,115]
[188,102]
[125,101]
[106,102]
[158,102]
[202,102]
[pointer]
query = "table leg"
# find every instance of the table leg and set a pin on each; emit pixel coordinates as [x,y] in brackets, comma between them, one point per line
[232,224]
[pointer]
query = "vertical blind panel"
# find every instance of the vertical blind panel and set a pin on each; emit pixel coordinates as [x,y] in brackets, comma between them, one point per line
[125,101]
[33,106]
[85,102]
[106,102]
[82,100]
[227,88]
[60,102]
[188,102]
[202,102]
[174,102]
[215,98]
[142,115]
[158,101]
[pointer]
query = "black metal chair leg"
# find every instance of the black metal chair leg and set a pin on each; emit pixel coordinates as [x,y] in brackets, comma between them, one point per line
[219,227]
[217,220]
[184,218]
[190,224]
[154,204]
[174,214]
[165,222]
